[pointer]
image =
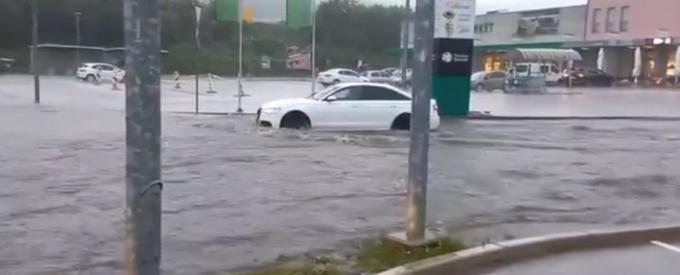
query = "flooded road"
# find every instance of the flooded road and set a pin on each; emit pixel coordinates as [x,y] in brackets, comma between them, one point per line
[238,196]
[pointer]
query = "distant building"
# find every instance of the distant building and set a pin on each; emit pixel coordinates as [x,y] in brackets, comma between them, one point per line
[499,31]
[621,26]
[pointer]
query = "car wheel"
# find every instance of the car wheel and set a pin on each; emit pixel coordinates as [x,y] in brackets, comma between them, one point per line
[90,78]
[402,123]
[479,88]
[336,82]
[296,120]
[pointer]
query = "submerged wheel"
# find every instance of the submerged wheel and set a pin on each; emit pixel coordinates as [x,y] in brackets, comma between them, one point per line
[402,123]
[296,120]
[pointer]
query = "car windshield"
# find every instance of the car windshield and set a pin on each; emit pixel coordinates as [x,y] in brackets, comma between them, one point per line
[521,68]
[323,93]
[477,76]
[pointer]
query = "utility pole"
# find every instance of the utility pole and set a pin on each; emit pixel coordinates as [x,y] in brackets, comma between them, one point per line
[313,50]
[405,39]
[143,137]
[420,121]
[197,39]
[35,59]
[78,15]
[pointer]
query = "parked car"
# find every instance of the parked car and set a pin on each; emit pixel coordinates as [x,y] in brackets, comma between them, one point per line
[352,106]
[6,64]
[588,77]
[488,81]
[390,71]
[376,77]
[88,72]
[549,71]
[336,76]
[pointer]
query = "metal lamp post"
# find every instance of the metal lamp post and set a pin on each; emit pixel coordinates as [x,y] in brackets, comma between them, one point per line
[405,38]
[78,15]
[35,63]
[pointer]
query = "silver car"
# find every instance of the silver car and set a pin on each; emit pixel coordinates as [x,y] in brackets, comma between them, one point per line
[488,81]
[376,77]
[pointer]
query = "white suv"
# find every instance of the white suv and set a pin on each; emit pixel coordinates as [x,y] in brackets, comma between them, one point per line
[88,72]
[335,76]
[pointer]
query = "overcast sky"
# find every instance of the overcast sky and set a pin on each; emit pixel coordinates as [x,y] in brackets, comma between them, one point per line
[275,10]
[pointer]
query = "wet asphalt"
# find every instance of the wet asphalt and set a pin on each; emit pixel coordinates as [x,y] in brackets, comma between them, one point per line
[237,196]
[644,259]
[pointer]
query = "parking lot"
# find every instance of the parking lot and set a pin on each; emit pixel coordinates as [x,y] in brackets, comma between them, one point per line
[237,195]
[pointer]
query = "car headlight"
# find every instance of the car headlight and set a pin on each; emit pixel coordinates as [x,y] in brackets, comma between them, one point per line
[271,110]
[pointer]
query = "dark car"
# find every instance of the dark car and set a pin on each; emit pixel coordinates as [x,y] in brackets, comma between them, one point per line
[588,77]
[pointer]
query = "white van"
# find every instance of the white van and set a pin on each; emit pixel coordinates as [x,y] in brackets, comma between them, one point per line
[548,70]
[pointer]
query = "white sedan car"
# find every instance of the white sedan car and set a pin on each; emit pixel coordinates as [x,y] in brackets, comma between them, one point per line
[107,72]
[351,106]
[336,76]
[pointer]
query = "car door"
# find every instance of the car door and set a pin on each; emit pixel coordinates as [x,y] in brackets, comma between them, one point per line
[107,72]
[380,106]
[385,77]
[495,81]
[341,110]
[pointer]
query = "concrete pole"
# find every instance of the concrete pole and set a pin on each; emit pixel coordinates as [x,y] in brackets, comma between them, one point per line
[405,38]
[313,50]
[143,140]
[77,15]
[420,121]
[35,54]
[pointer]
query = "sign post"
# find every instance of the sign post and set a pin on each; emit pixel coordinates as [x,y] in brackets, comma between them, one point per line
[453,50]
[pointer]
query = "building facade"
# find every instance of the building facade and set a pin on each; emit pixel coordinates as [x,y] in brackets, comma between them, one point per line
[499,31]
[619,27]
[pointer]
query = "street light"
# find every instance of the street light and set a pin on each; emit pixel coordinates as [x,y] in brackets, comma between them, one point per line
[34,52]
[78,15]
[405,41]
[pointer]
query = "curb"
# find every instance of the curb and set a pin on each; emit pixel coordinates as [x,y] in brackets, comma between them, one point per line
[647,118]
[462,262]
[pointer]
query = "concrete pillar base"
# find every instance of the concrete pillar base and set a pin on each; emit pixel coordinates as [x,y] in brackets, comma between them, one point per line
[399,238]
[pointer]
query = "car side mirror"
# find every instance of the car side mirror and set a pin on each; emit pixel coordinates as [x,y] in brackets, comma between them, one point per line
[331,98]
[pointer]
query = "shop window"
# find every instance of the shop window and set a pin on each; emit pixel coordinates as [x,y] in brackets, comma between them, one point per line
[484,28]
[611,26]
[595,25]
[624,19]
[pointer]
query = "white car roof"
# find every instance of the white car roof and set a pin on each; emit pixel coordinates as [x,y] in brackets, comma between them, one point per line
[368,84]
[95,64]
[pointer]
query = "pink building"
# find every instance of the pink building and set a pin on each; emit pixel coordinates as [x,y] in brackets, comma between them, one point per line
[621,26]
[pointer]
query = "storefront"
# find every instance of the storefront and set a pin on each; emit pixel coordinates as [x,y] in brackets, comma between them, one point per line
[492,57]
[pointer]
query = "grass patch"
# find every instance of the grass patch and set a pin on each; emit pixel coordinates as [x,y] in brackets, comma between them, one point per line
[377,256]
[300,269]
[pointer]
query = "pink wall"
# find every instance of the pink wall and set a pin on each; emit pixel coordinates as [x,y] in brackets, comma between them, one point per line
[646,18]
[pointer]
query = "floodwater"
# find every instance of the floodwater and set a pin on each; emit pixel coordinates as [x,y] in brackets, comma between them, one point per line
[239,196]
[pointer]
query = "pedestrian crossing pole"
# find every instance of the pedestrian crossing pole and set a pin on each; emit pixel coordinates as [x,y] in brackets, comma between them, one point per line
[241,93]
[143,137]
